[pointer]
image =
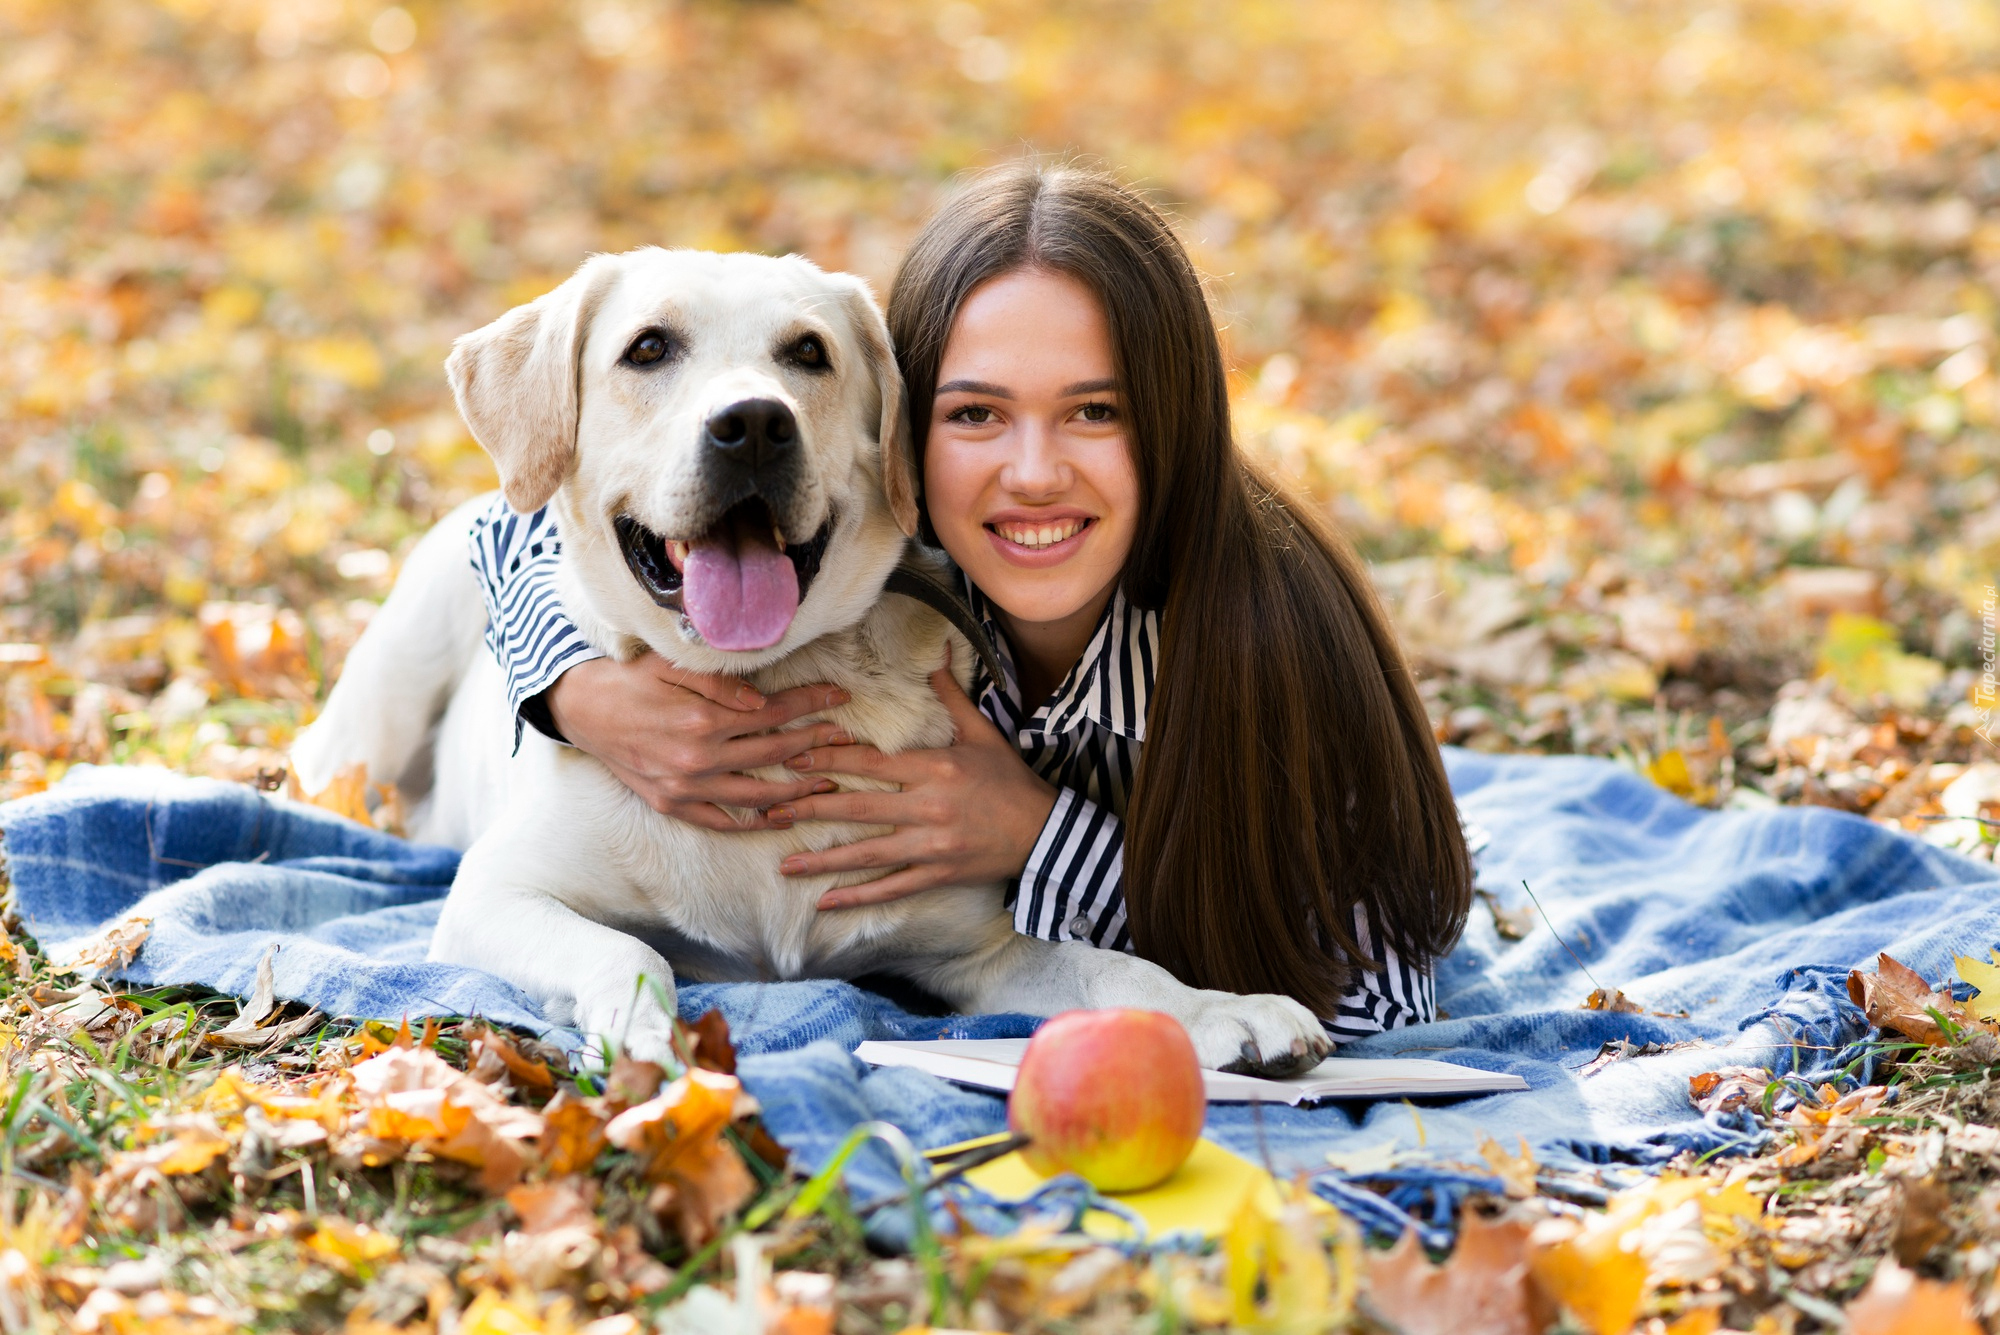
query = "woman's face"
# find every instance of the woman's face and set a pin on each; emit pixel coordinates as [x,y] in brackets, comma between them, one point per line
[1028,468]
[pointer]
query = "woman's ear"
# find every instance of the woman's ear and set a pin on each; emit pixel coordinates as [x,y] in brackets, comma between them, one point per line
[899,462]
[517,382]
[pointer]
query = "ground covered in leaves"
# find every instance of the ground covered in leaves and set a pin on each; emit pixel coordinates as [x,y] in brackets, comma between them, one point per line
[1647,351]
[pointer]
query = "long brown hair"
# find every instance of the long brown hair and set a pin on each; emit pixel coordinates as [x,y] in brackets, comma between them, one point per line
[1288,772]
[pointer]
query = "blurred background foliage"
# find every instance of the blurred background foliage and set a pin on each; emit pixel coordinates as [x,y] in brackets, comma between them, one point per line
[1645,347]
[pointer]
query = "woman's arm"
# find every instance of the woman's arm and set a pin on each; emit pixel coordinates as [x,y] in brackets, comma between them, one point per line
[678,739]
[1073,886]
[515,558]
[1377,1000]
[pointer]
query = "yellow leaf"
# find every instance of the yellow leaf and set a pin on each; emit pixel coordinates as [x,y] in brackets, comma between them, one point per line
[1515,1171]
[1865,658]
[1595,1278]
[1985,977]
[192,1150]
[350,1245]
[1701,1321]
[490,1314]
[1285,1256]
[351,361]
[1670,772]
[1243,1249]
[231,305]
[346,795]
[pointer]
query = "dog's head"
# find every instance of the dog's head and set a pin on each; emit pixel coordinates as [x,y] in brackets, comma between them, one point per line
[726,438]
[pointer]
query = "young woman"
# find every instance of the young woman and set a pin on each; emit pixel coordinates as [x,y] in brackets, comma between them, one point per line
[1206,746]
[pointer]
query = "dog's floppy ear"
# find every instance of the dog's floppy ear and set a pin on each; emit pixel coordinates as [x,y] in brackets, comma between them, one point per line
[899,461]
[517,384]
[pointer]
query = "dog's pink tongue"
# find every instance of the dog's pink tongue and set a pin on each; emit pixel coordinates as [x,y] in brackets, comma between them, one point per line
[740,591]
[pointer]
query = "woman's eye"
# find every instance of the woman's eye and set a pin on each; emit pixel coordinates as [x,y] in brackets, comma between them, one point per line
[809,352]
[1098,412]
[648,348]
[973,414]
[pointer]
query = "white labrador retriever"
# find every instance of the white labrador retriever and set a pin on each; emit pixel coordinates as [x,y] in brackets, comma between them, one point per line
[723,440]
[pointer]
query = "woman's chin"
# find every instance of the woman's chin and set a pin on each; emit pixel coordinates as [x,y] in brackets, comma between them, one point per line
[1044,597]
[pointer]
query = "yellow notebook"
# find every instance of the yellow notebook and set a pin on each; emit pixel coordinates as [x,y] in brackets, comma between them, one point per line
[1202,1196]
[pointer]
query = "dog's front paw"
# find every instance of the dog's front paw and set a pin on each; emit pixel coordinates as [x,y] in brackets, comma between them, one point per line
[1259,1035]
[635,1024]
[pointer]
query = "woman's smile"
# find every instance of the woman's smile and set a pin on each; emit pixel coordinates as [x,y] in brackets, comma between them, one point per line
[1039,539]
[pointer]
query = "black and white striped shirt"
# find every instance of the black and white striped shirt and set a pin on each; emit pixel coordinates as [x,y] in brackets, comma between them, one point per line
[1084,740]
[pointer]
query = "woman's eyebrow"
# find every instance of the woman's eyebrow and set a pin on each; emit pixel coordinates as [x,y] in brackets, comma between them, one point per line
[976,387]
[1088,387]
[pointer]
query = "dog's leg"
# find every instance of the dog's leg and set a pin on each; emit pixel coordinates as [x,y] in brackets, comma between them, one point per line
[400,675]
[505,916]
[1259,1035]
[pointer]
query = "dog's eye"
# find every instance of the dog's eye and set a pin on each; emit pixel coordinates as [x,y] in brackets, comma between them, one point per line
[650,347]
[808,352]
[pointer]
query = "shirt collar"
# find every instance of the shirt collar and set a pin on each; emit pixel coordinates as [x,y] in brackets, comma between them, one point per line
[1109,685]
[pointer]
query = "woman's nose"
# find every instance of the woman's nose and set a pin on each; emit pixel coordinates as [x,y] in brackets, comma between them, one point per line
[1037,467]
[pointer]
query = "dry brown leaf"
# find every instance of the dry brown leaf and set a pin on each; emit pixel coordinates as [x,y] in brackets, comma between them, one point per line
[494,1055]
[1896,997]
[677,1137]
[1515,1171]
[710,1043]
[1728,1088]
[112,947]
[557,1203]
[177,1146]
[630,1082]
[262,1001]
[1614,1000]
[269,1036]
[1921,1225]
[1485,1285]
[711,1183]
[687,1113]
[345,795]
[572,1135]
[1898,1302]
[412,1096]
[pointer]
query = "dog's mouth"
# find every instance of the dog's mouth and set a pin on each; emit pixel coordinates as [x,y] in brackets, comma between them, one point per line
[740,583]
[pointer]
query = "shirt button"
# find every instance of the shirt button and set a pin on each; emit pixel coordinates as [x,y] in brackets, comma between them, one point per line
[1079,925]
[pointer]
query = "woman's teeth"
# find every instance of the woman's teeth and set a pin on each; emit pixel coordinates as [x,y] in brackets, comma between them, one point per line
[1040,535]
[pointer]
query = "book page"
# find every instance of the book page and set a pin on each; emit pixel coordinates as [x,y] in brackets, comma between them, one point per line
[990,1063]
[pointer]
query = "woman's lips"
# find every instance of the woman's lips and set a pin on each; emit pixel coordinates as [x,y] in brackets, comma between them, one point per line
[1041,542]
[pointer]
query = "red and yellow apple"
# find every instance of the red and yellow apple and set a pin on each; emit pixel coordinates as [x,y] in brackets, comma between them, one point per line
[1114,1096]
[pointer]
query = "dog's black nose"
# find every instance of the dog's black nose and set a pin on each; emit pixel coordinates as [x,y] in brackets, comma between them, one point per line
[757,432]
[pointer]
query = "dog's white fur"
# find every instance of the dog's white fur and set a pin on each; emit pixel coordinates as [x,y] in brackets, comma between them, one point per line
[572,888]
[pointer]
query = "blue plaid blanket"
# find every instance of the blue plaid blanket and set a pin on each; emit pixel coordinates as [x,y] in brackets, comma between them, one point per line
[1734,930]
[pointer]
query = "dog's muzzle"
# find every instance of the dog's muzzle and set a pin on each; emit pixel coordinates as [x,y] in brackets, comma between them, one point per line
[646,552]
[737,582]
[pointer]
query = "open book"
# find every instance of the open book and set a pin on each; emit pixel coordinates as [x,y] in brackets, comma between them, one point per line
[990,1063]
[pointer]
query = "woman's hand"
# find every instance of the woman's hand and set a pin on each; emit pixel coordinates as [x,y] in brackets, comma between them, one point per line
[681,740]
[967,813]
